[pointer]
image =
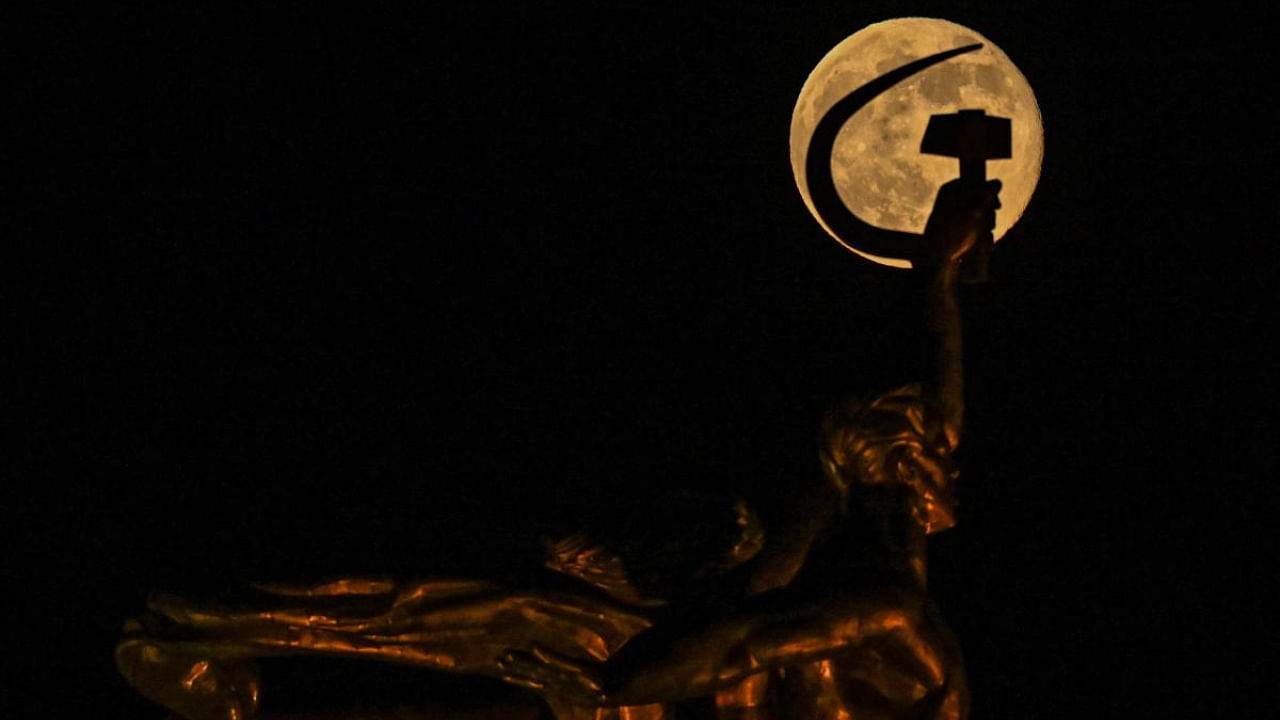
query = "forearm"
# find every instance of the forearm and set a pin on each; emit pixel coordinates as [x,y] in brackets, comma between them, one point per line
[737,647]
[958,228]
[945,328]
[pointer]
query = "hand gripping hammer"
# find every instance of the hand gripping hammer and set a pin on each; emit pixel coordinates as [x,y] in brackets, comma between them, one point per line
[974,137]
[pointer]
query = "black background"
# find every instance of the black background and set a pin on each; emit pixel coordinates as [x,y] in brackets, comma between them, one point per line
[306,291]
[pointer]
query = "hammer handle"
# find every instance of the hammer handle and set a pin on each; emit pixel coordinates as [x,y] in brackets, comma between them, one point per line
[973,169]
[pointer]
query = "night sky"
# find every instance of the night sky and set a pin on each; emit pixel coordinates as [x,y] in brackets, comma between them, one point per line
[302,292]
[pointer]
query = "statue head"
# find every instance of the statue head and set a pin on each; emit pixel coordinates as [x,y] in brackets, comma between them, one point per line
[886,442]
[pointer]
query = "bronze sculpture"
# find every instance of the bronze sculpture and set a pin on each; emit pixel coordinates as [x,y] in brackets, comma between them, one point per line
[763,639]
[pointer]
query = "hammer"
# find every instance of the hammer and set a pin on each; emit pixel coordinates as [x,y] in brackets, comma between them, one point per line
[974,137]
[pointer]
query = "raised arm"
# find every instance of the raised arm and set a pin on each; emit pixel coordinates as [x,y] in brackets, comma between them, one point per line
[963,214]
[962,218]
[843,224]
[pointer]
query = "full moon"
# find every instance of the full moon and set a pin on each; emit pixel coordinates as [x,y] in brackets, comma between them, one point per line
[878,169]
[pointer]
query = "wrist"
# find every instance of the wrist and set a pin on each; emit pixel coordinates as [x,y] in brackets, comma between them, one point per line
[941,271]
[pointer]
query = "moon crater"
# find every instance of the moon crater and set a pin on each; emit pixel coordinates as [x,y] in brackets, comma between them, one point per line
[879,171]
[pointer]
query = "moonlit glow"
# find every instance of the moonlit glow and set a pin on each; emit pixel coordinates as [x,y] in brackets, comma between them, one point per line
[878,168]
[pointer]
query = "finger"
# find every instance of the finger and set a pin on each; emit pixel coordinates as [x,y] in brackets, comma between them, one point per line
[520,669]
[538,666]
[523,680]
[524,670]
[517,659]
[568,666]
[525,683]
[555,659]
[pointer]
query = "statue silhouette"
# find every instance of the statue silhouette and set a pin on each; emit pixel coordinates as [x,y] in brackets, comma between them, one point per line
[825,617]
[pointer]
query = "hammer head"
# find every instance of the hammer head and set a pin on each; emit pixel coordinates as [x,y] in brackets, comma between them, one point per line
[974,137]
[970,135]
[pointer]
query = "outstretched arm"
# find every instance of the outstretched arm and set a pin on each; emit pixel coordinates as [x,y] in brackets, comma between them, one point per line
[665,666]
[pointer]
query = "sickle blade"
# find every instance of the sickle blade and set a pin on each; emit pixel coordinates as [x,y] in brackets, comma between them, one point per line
[822,188]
